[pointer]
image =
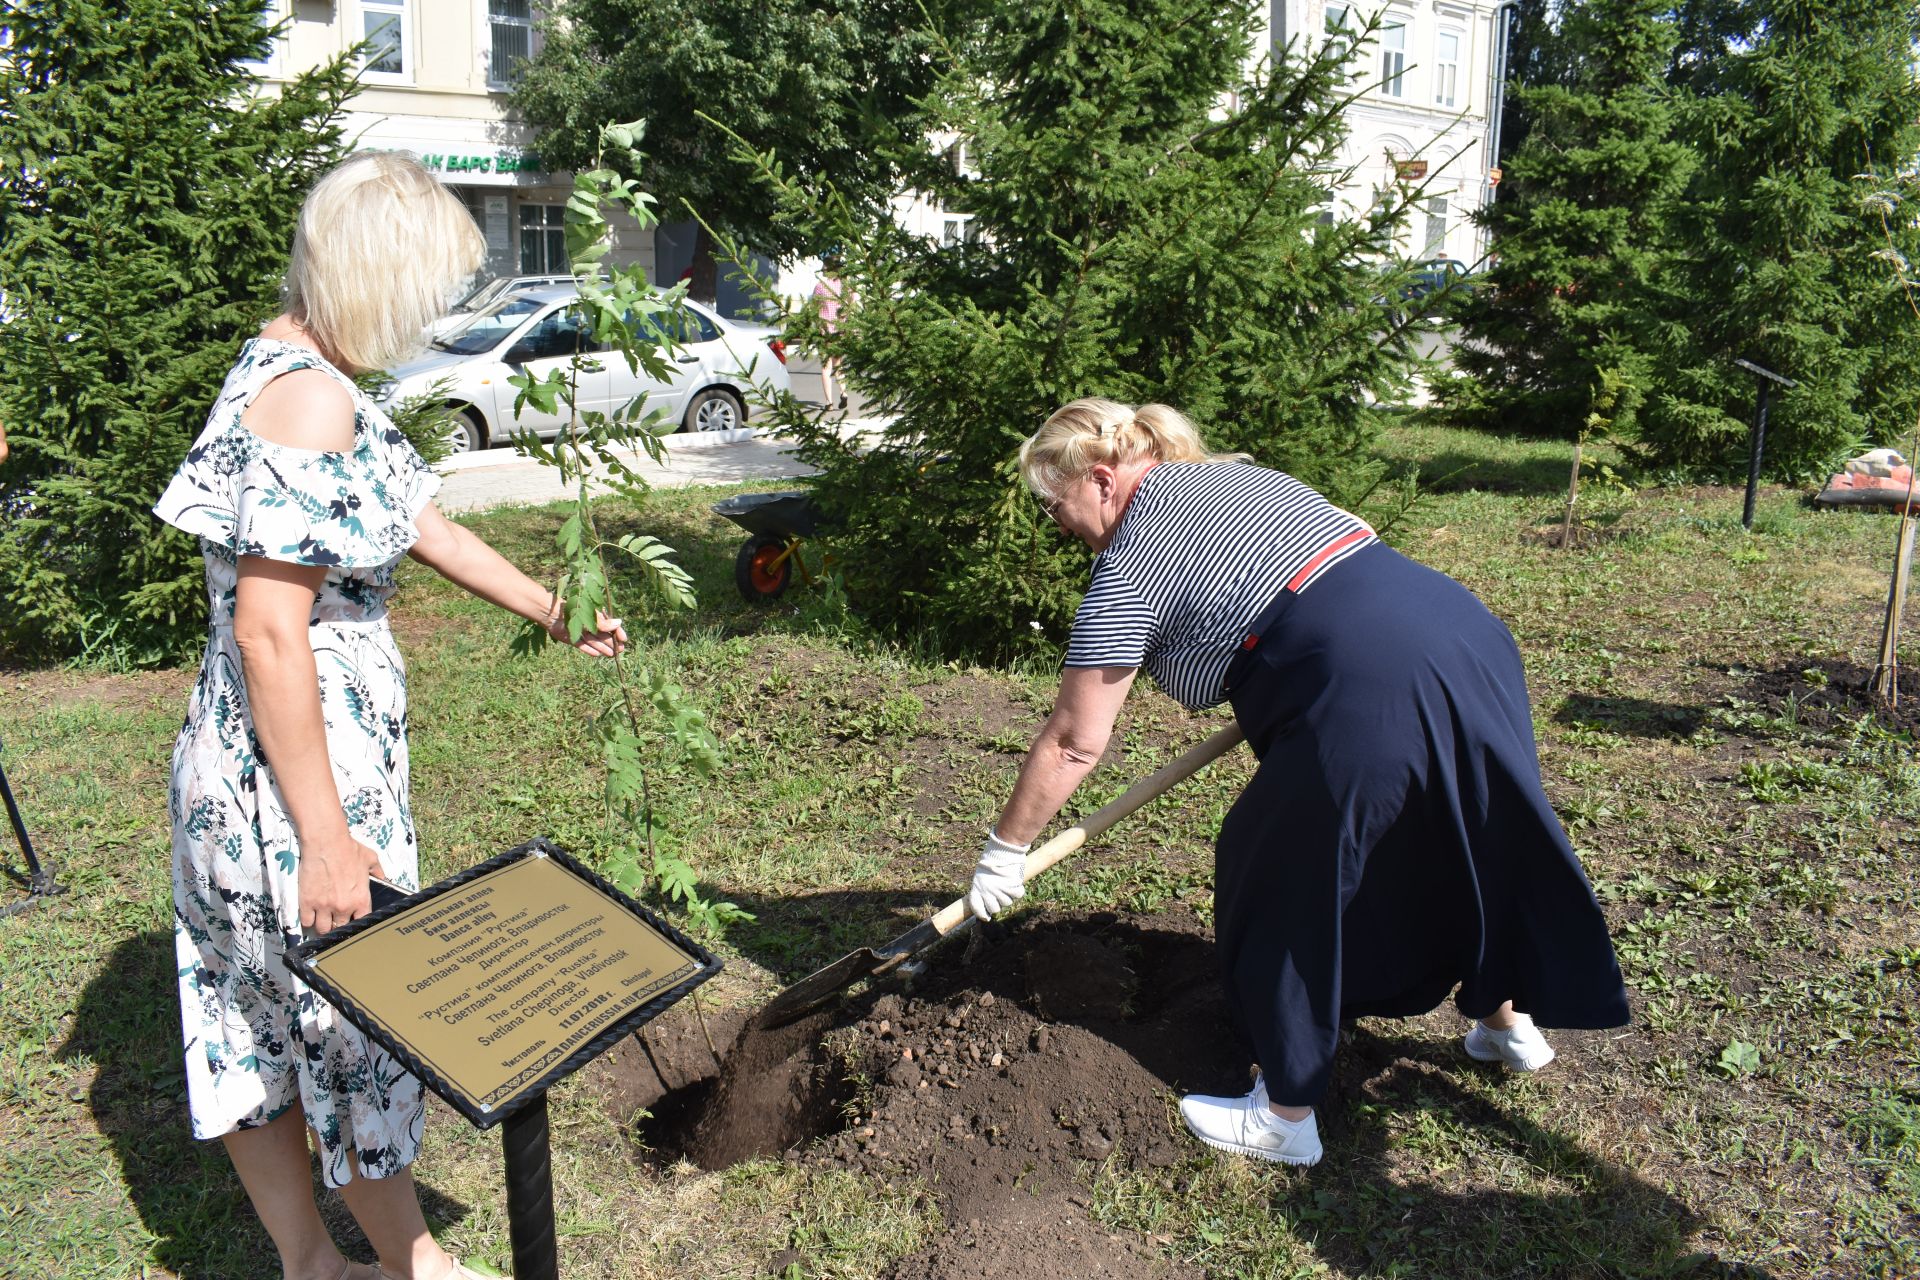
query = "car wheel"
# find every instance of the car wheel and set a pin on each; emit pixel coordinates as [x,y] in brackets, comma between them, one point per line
[715,409]
[466,433]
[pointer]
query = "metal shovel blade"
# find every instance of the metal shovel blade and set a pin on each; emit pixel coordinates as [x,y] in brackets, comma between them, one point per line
[817,988]
[822,985]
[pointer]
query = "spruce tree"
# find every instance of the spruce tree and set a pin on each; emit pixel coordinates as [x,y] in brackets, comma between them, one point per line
[1136,233]
[1580,230]
[1782,263]
[147,200]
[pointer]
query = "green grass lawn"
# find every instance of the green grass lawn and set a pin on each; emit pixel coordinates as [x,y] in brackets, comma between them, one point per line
[1751,833]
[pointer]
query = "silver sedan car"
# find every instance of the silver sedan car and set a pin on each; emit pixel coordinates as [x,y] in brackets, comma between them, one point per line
[719,366]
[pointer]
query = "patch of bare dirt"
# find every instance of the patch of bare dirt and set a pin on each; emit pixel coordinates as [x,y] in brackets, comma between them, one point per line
[1829,693]
[134,690]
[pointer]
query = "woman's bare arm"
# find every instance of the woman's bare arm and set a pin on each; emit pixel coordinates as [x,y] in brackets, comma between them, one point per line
[273,601]
[459,555]
[1067,747]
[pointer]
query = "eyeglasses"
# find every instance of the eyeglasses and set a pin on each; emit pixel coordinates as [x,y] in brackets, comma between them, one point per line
[1052,508]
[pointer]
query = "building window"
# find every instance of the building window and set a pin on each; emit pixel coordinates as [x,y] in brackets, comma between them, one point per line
[383,25]
[543,240]
[1446,69]
[1437,227]
[269,44]
[1393,58]
[1338,18]
[510,23]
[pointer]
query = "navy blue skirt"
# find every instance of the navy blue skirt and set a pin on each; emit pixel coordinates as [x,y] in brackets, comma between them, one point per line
[1395,843]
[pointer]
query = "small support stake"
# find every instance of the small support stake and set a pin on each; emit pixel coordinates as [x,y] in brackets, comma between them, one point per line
[1757,438]
[1573,496]
[40,881]
[523,1136]
[1886,675]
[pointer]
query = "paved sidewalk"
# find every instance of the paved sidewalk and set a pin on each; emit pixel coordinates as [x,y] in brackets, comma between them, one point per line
[501,477]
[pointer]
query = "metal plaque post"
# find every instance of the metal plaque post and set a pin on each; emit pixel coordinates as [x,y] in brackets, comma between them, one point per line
[40,882]
[1757,437]
[523,1136]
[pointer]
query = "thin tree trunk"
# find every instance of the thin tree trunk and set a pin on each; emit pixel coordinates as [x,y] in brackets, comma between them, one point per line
[1886,676]
[1573,496]
[704,285]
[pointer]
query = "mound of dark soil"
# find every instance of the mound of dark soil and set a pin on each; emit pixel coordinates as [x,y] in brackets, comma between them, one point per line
[1017,1067]
[1840,693]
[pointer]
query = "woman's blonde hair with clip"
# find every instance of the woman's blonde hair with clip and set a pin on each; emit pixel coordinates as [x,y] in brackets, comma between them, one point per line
[1088,432]
[380,252]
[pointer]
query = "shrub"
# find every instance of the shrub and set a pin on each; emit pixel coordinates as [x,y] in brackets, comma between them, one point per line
[147,199]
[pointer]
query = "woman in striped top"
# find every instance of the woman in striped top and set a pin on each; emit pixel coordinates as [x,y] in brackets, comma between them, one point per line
[1395,844]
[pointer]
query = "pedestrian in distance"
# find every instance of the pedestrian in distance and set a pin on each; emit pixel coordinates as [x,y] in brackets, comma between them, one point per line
[1394,844]
[829,291]
[289,779]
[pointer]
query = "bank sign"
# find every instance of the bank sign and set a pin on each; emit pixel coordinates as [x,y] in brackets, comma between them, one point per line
[495,162]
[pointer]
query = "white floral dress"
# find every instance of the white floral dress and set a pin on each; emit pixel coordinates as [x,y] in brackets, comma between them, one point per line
[257,1039]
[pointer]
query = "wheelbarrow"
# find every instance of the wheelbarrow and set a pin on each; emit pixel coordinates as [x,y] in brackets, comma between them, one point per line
[778,526]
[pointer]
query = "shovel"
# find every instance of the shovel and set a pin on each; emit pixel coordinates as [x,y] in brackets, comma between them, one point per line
[817,988]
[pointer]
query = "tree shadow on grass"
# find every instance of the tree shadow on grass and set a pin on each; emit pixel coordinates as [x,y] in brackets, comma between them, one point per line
[1457,472]
[1641,717]
[187,1195]
[1598,1219]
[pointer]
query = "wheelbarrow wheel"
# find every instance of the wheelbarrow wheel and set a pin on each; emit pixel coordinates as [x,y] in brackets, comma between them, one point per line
[763,568]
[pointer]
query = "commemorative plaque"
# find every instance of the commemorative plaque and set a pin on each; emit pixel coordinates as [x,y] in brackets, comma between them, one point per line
[498,983]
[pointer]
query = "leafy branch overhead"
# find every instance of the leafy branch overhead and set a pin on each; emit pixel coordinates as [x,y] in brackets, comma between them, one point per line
[835,86]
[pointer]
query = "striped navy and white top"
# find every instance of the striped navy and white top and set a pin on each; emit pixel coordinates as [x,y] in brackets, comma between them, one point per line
[1202,549]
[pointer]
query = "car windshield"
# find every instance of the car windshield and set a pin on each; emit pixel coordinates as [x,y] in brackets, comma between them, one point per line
[680,327]
[483,296]
[484,330]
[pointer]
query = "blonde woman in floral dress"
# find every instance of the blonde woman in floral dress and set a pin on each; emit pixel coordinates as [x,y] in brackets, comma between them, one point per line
[290,773]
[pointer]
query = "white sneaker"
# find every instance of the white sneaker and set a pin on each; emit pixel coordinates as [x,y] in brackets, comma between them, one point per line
[1244,1126]
[1521,1046]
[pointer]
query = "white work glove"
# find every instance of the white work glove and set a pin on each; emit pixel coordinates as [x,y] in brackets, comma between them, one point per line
[1000,879]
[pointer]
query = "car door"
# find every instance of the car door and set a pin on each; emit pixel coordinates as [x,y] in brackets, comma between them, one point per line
[701,357]
[548,345]
[681,335]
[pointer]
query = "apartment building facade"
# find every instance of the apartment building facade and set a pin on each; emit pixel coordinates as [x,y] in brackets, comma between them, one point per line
[434,82]
[437,73]
[1431,82]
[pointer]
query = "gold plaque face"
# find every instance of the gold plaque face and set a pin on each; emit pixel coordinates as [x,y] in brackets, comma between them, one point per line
[492,985]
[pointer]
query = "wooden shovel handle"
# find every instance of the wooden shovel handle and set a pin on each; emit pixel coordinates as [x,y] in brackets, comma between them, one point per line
[1160,780]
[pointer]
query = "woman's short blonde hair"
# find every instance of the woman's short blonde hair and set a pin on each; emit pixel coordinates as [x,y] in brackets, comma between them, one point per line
[1084,434]
[380,252]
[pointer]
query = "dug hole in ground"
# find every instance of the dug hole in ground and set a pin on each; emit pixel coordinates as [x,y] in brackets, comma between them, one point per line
[1003,1078]
[1018,1066]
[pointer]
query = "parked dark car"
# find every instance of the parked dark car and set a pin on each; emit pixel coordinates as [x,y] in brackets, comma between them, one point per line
[1436,279]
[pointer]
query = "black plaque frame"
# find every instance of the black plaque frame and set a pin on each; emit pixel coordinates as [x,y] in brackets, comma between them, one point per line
[300,958]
